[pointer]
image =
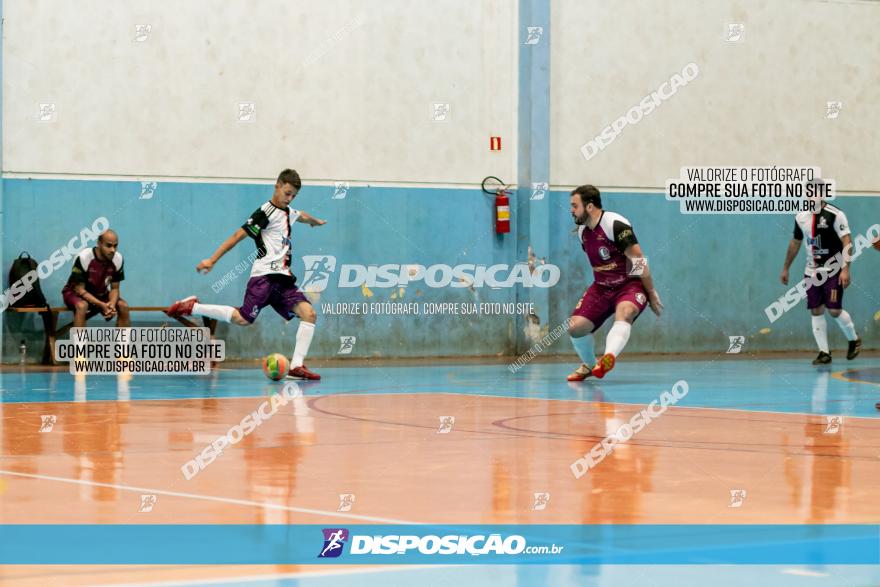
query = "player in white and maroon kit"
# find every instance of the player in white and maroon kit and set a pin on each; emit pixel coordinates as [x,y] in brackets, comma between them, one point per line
[94,280]
[828,234]
[622,285]
[271,282]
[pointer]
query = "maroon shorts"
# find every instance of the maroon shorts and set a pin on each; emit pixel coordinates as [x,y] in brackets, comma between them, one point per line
[829,294]
[71,299]
[276,290]
[600,301]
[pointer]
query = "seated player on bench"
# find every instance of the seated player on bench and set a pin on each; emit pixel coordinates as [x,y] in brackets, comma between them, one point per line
[93,285]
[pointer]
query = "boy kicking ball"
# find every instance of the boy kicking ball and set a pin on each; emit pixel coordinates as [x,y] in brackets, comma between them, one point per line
[271,282]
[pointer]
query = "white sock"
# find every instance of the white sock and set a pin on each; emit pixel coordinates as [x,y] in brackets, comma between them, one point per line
[617,337]
[222,313]
[846,324]
[820,332]
[303,339]
[583,346]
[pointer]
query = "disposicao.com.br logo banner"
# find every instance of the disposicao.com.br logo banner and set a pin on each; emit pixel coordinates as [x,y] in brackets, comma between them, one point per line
[383,544]
[430,544]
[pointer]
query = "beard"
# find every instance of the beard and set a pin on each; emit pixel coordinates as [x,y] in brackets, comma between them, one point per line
[579,220]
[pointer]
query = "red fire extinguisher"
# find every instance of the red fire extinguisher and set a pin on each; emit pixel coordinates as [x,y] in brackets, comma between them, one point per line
[502,212]
[492,185]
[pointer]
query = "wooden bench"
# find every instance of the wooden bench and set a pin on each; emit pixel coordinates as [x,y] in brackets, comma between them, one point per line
[52,332]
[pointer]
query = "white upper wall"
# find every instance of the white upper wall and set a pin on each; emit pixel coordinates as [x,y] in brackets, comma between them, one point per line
[760,101]
[343,89]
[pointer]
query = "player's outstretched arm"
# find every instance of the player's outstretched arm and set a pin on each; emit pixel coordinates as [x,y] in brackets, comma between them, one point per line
[634,251]
[207,264]
[794,246]
[309,219]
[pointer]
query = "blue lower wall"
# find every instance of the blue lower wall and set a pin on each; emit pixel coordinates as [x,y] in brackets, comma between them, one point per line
[715,273]
[163,238]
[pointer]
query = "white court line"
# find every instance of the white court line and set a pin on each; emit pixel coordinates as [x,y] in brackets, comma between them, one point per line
[804,573]
[270,577]
[267,506]
[462,394]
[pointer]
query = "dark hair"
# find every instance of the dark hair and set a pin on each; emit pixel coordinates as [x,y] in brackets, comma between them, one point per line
[290,176]
[589,195]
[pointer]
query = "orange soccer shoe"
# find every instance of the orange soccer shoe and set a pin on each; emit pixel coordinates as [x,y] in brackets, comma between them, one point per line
[580,373]
[603,365]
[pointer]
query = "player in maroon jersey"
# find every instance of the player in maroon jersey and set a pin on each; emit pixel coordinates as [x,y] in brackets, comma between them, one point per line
[93,285]
[622,285]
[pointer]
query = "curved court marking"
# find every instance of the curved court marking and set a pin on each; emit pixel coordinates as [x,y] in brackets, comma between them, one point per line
[313,399]
[551,435]
[491,433]
[841,375]
[306,385]
[682,444]
[676,406]
[245,502]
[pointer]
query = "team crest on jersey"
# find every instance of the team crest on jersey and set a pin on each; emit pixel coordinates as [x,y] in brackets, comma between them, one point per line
[604,253]
[640,298]
[822,222]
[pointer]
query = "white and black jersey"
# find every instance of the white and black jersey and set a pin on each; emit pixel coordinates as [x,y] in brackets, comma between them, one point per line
[824,233]
[96,275]
[269,226]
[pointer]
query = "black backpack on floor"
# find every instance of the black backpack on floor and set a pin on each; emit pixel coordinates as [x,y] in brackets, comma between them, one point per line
[21,267]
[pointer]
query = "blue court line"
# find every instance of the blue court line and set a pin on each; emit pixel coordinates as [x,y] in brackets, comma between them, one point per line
[776,386]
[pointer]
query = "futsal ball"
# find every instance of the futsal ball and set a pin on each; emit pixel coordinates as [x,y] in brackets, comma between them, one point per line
[275,366]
